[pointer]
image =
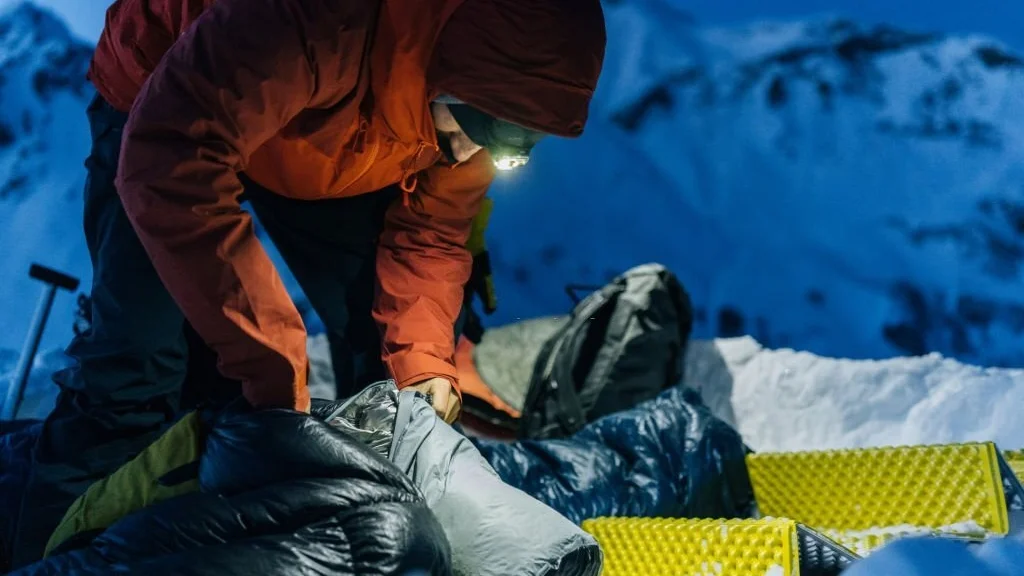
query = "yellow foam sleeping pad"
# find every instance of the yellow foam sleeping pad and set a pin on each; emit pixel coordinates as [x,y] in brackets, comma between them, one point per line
[864,498]
[697,547]
[821,510]
[167,468]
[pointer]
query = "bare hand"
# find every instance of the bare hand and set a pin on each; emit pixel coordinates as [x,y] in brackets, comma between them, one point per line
[442,397]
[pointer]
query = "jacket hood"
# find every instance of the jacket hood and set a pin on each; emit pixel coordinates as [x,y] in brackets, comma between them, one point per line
[532,62]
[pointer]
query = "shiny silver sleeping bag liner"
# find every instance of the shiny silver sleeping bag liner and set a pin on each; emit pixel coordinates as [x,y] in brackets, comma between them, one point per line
[494,529]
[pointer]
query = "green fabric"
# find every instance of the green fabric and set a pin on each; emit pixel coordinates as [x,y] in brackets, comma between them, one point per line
[136,484]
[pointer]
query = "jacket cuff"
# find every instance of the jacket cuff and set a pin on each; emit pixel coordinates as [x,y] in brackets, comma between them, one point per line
[414,367]
[294,397]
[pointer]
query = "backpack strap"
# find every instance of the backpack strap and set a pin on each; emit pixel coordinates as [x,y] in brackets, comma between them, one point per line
[552,373]
[684,305]
[552,394]
[618,326]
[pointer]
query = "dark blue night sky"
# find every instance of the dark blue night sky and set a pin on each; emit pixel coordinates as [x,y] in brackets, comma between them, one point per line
[999,18]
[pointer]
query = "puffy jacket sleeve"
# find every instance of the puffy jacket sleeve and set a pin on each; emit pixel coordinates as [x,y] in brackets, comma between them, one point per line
[422,267]
[233,80]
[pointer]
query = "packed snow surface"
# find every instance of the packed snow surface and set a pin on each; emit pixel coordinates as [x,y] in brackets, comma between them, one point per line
[788,400]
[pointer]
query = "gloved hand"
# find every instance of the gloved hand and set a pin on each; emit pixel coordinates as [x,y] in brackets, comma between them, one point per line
[442,395]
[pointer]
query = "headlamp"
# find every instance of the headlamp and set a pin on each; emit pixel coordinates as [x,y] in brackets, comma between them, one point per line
[509,144]
[505,161]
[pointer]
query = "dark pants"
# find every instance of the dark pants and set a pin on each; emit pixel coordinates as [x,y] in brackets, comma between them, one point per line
[130,380]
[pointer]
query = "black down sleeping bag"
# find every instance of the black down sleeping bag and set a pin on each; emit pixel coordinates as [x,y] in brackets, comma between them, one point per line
[282,494]
[665,457]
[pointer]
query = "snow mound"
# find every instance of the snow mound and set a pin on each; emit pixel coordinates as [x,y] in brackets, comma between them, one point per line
[783,400]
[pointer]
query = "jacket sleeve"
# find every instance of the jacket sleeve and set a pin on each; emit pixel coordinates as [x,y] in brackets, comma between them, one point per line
[422,268]
[233,80]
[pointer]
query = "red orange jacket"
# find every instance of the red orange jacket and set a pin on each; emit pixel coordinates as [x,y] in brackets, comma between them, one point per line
[317,99]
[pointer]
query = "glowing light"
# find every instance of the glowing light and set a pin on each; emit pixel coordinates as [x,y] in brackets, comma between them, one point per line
[506,163]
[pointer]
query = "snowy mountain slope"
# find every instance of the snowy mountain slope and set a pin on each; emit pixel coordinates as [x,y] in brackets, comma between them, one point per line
[848,191]
[44,140]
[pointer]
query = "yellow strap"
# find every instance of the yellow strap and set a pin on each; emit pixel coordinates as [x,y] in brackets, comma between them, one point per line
[490,296]
[477,243]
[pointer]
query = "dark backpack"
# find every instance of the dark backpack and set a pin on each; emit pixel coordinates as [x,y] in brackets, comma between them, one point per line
[623,344]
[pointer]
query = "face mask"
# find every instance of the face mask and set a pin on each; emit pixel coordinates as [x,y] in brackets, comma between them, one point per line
[509,144]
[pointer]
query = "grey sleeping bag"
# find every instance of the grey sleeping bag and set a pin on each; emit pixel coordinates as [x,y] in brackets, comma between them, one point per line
[493,528]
